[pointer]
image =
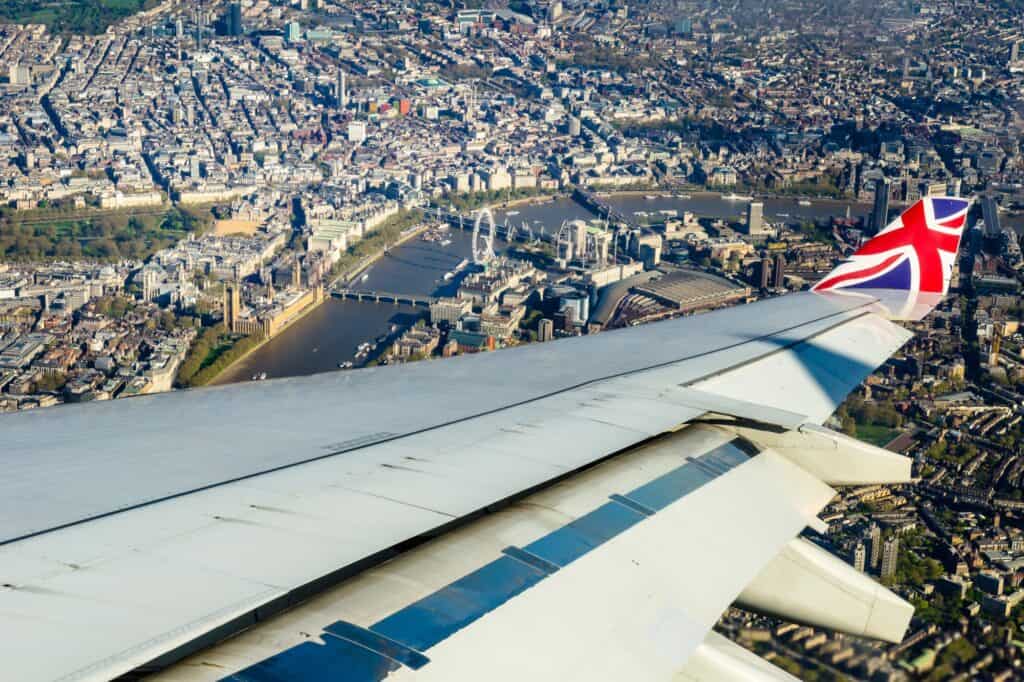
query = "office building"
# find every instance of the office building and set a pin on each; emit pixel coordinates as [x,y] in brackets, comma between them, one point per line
[357,132]
[233,20]
[545,329]
[292,32]
[579,303]
[341,94]
[880,211]
[859,557]
[890,556]
[765,271]
[755,218]
[990,215]
[449,310]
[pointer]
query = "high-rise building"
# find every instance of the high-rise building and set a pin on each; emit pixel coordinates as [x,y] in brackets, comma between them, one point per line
[779,274]
[755,218]
[232,306]
[880,211]
[989,581]
[292,32]
[233,19]
[1014,52]
[341,94]
[766,270]
[875,538]
[990,215]
[545,329]
[198,16]
[859,557]
[890,555]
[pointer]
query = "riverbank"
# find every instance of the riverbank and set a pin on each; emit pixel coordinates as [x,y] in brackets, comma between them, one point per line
[221,376]
[214,340]
[529,201]
[215,378]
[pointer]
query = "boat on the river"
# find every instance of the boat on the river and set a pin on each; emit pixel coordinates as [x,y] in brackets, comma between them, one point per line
[804,202]
[732,196]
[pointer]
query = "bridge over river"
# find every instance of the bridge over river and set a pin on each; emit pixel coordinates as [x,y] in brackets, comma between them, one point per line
[384,297]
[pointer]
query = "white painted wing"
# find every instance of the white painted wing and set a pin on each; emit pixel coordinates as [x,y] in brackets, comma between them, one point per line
[142,530]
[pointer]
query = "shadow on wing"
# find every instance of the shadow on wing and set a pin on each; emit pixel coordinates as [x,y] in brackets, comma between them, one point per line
[835,373]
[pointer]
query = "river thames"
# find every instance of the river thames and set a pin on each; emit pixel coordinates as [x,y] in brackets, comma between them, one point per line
[332,333]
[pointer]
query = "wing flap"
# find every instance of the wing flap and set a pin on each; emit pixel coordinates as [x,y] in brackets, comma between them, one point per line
[638,606]
[806,584]
[719,660]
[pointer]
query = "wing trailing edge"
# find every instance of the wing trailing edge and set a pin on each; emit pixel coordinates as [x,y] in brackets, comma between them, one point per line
[833,457]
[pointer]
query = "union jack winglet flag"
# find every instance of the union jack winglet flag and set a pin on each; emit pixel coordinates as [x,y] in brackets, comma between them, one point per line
[915,253]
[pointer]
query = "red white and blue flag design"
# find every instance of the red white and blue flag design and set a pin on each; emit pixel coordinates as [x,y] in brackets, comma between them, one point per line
[915,253]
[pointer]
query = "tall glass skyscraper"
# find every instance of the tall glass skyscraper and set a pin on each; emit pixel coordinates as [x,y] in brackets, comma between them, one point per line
[880,212]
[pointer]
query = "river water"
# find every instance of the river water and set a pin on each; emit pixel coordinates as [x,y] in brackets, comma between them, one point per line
[331,334]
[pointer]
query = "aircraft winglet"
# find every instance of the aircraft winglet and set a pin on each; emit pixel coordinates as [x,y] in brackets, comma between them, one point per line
[909,264]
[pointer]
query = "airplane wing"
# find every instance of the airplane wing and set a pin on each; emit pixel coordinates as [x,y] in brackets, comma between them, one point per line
[587,507]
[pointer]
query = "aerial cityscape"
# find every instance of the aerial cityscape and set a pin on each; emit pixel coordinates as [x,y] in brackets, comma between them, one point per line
[211,193]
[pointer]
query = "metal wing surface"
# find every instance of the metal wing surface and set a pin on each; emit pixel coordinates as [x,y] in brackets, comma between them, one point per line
[136,532]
